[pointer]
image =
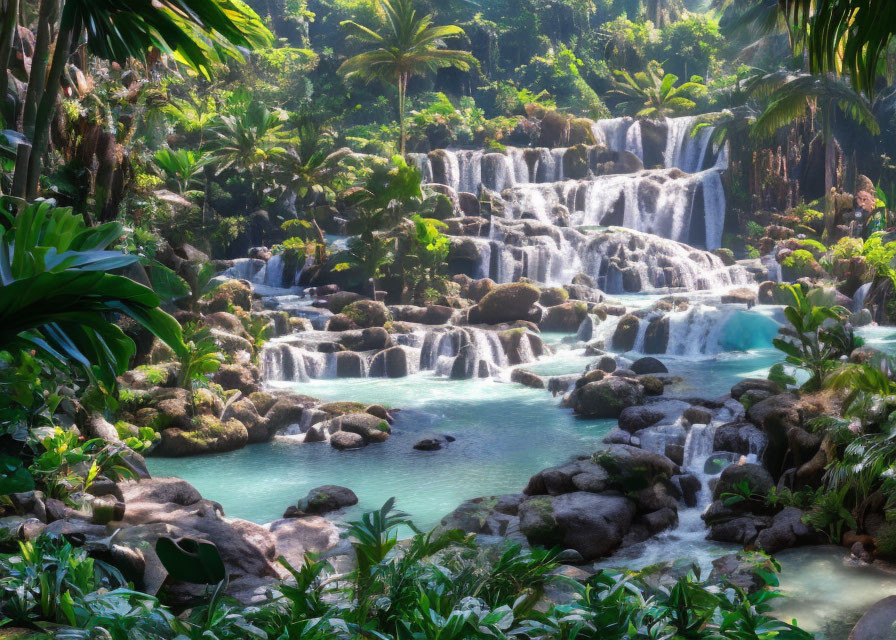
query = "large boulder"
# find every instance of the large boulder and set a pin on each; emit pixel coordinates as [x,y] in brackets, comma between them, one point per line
[371,428]
[592,524]
[172,508]
[207,434]
[324,499]
[776,417]
[754,384]
[564,317]
[787,530]
[370,339]
[507,303]
[343,440]
[391,363]
[367,313]
[648,365]
[633,419]
[242,377]
[581,475]
[656,337]
[626,463]
[878,623]
[626,333]
[244,411]
[757,478]
[740,437]
[285,412]
[554,130]
[341,299]
[607,398]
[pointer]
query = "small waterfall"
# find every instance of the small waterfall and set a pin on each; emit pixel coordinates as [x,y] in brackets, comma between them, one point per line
[713,207]
[858,299]
[633,140]
[244,269]
[423,163]
[271,275]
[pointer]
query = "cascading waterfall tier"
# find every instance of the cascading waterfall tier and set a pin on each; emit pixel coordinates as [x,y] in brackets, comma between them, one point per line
[455,352]
[618,260]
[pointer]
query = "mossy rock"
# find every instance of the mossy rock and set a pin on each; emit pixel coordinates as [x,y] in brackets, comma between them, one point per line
[575,163]
[537,521]
[553,296]
[581,131]
[626,333]
[208,435]
[233,293]
[342,408]
[367,313]
[263,401]
[507,303]
[726,256]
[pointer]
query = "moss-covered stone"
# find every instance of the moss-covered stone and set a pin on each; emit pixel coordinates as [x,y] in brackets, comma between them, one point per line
[207,435]
[553,296]
[367,313]
[507,303]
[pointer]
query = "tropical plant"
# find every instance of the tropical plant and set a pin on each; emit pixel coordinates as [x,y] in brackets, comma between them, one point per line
[57,290]
[181,169]
[195,32]
[408,45]
[247,141]
[654,94]
[200,358]
[426,267]
[46,578]
[817,337]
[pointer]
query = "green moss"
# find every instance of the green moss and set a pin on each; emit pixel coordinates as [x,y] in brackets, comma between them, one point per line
[342,408]
[543,528]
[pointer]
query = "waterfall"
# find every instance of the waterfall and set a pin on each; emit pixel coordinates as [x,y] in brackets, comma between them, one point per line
[244,269]
[422,162]
[713,207]
[858,299]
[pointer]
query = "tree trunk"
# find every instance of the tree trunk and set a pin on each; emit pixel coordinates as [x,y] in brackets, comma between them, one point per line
[7,36]
[69,26]
[20,177]
[402,96]
[39,61]
[829,169]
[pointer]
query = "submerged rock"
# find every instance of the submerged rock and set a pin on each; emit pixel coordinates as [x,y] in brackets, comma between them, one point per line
[323,499]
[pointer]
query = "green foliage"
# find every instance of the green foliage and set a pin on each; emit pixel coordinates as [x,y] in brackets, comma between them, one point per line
[425,266]
[56,288]
[200,358]
[181,169]
[654,94]
[435,586]
[830,515]
[191,560]
[817,339]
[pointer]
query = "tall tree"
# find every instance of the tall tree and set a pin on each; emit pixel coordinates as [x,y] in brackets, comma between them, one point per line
[407,45]
[196,32]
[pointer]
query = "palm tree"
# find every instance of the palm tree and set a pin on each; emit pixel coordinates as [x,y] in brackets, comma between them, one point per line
[654,93]
[197,32]
[408,46]
[790,96]
[247,141]
[848,37]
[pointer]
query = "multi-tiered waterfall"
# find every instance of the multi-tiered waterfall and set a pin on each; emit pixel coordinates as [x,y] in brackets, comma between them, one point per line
[562,195]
